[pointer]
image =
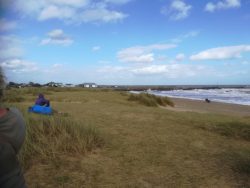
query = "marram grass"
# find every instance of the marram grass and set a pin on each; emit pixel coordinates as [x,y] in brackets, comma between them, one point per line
[150,100]
[48,137]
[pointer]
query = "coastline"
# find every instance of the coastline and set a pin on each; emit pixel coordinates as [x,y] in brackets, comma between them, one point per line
[191,105]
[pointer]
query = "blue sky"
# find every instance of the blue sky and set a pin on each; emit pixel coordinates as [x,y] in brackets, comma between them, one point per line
[126,41]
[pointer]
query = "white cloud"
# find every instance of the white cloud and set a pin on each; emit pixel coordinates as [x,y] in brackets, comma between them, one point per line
[137,58]
[167,71]
[57,65]
[221,53]
[177,10]
[73,11]
[102,15]
[96,48]
[117,1]
[54,12]
[56,33]
[187,35]
[57,37]
[153,69]
[223,4]
[11,56]
[10,47]
[141,54]
[170,70]
[18,65]
[180,57]
[10,52]
[245,63]
[72,3]
[6,25]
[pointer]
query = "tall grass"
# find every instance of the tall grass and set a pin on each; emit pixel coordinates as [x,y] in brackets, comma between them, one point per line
[49,137]
[150,100]
[13,95]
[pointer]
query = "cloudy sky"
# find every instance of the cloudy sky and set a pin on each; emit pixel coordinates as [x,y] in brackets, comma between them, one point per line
[126,41]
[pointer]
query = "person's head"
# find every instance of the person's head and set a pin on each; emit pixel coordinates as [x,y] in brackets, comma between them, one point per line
[2,83]
[40,95]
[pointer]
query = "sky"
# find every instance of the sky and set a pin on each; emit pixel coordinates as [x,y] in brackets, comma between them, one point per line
[126,42]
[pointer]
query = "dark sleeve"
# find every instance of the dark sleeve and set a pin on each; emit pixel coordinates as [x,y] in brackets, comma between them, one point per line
[12,128]
[10,172]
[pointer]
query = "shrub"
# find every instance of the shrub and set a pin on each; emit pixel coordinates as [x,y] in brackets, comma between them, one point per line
[150,100]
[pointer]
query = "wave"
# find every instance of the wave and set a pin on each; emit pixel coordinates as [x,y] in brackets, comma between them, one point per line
[234,96]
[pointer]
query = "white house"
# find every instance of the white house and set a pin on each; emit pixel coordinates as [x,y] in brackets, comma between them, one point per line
[89,85]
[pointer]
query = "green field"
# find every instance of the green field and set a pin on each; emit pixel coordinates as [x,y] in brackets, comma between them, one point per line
[100,138]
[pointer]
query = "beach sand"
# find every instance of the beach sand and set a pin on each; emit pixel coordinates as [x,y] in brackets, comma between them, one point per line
[212,107]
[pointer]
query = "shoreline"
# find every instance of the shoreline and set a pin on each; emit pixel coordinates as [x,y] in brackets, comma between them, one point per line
[200,106]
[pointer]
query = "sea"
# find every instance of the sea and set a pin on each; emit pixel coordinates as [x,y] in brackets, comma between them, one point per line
[225,95]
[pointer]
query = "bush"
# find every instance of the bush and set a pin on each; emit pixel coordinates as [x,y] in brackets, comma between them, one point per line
[150,100]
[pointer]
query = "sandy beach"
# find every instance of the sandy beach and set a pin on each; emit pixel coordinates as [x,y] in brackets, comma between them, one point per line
[212,107]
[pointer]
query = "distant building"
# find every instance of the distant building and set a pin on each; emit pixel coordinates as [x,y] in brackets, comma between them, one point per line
[69,85]
[54,84]
[89,85]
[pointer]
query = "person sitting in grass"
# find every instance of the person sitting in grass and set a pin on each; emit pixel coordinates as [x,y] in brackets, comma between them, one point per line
[41,101]
[12,134]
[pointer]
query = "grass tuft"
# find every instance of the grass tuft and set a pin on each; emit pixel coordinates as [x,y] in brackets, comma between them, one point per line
[48,137]
[150,100]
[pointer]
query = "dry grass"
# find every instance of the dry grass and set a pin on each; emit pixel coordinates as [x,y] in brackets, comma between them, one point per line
[144,147]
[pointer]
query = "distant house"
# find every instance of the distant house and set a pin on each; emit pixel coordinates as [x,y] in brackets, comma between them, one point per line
[89,85]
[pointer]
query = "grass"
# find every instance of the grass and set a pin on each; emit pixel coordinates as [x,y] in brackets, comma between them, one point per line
[105,140]
[234,129]
[13,96]
[150,100]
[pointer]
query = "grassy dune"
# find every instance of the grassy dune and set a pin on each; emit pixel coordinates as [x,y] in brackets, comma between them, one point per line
[151,100]
[103,139]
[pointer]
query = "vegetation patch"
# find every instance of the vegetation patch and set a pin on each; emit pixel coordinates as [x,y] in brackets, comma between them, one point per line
[234,129]
[49,137]
[150,100]
[144,147]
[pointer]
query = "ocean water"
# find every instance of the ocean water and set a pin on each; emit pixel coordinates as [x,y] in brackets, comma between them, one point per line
[234,96]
